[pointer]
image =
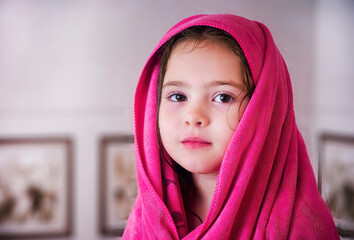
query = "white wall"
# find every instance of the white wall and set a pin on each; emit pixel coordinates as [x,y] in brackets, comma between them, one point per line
[70,68]
[333,81]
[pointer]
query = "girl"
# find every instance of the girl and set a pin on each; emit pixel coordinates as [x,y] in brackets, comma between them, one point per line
[219,155]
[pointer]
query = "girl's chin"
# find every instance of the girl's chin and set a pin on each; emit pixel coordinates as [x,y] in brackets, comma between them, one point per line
[201,170]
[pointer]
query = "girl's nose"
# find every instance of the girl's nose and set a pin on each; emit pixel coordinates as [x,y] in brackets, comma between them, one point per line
[196,116]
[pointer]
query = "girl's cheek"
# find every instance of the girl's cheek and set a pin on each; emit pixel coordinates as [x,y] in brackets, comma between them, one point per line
[235,113]
[170,106]
[168,110]
[232,116]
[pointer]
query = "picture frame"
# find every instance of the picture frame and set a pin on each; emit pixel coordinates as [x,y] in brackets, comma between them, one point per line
[36,187]
[118,184]
[336,179]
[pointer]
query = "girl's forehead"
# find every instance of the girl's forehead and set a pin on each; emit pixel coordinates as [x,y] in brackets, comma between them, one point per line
[188,45]
[204,54]
[203,63]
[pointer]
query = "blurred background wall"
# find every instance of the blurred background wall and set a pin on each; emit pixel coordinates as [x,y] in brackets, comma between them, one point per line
[69,68]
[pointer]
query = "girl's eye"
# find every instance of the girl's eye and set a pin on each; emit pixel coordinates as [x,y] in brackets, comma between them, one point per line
[223,98]
[177,97]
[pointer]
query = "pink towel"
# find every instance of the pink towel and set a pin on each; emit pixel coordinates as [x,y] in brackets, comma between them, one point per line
[265,188]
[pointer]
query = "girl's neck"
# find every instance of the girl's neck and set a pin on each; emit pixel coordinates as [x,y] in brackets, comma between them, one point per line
[202,197]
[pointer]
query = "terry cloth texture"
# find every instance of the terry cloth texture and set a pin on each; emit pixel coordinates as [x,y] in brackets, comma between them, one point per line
[265,188]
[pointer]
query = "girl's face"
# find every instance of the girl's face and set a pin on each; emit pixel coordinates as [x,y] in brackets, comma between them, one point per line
[200,104]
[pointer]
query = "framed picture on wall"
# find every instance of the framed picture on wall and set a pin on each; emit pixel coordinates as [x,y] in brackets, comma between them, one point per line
[35,187]
[118,185]
[336,179]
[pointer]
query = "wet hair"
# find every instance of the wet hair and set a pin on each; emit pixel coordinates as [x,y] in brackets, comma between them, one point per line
[196,35]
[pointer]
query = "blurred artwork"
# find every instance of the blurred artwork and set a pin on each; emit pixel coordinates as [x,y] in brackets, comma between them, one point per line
[118,183]
[34,187]
[337,180]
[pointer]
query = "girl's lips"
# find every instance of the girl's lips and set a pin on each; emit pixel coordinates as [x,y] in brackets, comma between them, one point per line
[195,142]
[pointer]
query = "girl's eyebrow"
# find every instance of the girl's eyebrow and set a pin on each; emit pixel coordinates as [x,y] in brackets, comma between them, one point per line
[175,83]
[212,84]
[222,83]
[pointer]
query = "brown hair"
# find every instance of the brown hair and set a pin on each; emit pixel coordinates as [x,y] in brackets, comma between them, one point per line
[197,34]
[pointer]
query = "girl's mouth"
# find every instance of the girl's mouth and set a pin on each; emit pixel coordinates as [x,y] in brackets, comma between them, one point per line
[195,142]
